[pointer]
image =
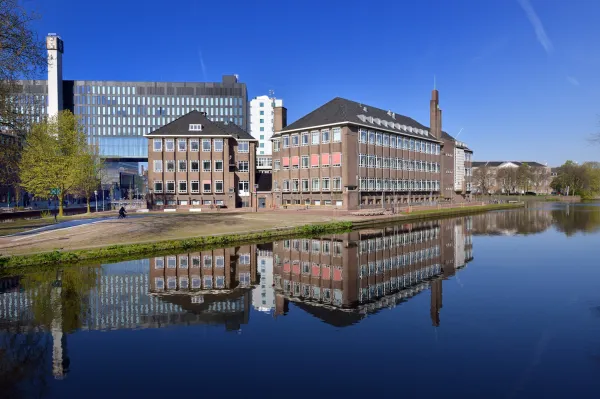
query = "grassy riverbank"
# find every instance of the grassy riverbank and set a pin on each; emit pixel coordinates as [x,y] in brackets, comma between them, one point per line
[240,236]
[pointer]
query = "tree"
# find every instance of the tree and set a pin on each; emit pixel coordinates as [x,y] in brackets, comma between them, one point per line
[53,157]
[582,180]
[91,169]
[524,177]
[10,154]
[508,179]
[540,178]
[483,178]
[22,56]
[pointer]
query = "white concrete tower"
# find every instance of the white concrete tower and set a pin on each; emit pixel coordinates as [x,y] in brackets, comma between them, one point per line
[54,44]
[262,121]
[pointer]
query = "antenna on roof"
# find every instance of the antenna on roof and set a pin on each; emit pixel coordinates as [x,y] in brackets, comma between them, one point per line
[271,93]
[459,132]
[434,82]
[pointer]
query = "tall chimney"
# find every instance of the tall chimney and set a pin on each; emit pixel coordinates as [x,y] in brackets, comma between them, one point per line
[279,118]
[435,115]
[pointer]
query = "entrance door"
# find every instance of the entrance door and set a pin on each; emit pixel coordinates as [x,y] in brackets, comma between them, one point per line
[262,202]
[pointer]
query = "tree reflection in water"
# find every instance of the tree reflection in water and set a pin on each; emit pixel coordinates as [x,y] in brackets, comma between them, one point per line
[585,220]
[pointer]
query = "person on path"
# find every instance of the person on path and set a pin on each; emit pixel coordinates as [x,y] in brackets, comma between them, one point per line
[122,212]
[55,213]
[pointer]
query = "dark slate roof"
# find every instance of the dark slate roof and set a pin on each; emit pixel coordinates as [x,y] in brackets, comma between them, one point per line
[342,110]
[180,127]
[495,164]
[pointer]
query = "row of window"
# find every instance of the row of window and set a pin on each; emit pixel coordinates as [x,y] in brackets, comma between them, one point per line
[398,185]
[397,142]
[208,186]
[242,166]
[316,184]
[206,261]
[264,161]
[372,161]
[313,292]
[315,246]
[312,161]
[313,138]
[205,282]
[194,145]
[114,107]
[394,262]
[374,291]
[398,240]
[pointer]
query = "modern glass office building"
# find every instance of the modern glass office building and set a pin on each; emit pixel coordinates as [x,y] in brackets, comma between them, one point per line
[117,114]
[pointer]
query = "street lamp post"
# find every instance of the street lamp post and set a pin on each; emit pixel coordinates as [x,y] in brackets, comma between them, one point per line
[96,199]
[102,199]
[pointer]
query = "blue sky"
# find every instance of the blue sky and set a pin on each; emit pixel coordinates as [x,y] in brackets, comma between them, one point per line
[520,77]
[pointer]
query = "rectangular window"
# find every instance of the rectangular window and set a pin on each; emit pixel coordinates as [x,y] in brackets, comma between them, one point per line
[158,165]
[170,187]
[182,166]
[218,145]
[243,166]
[206,186]
[285,185]
[304,185]
[243,186]
[286,141]
[337,184]
[157,145]
[336,159]
[325,136]
[277,164]
[305,161]
[363,136]
[315,138]
[206,165]
[295,140]
[337,135]
[194,166]
[295,185]
[243,146]
[218,186]
[195,186]
[304,139]
[158,187]
[275,145]
[218,165]
[371,137]
[295,162]
[325,184]
[386,140]
[170,166]
[194,145]
[169,145]
[205,145]
[181,145]
[285,162]
[182,186]
[378,138]
[315,184]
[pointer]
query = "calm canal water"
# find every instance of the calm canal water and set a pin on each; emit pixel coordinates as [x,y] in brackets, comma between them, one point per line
[500,305]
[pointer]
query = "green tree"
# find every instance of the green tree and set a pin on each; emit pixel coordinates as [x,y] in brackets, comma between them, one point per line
[582,180]
[10,154]
[92,169]
[54,154]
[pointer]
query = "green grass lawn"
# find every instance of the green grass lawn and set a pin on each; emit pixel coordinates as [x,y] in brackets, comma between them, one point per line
[19,225]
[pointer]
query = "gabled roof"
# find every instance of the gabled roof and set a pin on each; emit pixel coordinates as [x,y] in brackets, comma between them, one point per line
[342,110]
[181,127]
[495,164]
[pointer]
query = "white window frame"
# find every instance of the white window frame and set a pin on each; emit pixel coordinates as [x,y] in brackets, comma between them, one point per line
[323,188]
[158,165]
[315,134]
[197,190]
[215,185]
[192,142]
[179,142]
[167,186]
[207,148]
[197,169]
[161,184]
[323,139]
[170,162]
[336,135]
[204,163]
[246,169]
[339,185]
[167,142]
[179,190]
[312,184]
[204,190]
[181,162]
[160,145]
[245,148]
[218,141]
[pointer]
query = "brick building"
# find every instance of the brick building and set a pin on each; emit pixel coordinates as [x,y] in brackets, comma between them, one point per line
[502,177]
[195,163]
[352,155]
[341,278]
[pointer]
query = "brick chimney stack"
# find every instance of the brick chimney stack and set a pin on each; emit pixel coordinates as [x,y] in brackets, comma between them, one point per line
[279,118]
[435,115]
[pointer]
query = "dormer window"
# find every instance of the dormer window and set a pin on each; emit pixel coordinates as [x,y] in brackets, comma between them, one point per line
[195,127]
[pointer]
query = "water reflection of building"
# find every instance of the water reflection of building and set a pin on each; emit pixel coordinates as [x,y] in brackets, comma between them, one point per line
[211,287]
[518,221]
[263,296]
[341,278]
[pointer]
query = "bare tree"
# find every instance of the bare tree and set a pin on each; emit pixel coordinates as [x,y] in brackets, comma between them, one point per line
[507,177]
[540,179]
[483,178]
[524,177]
[22,56]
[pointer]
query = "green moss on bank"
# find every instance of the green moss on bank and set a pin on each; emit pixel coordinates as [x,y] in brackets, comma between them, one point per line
[121,252]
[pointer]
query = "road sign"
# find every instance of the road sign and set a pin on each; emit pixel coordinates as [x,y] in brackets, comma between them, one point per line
[54,191]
